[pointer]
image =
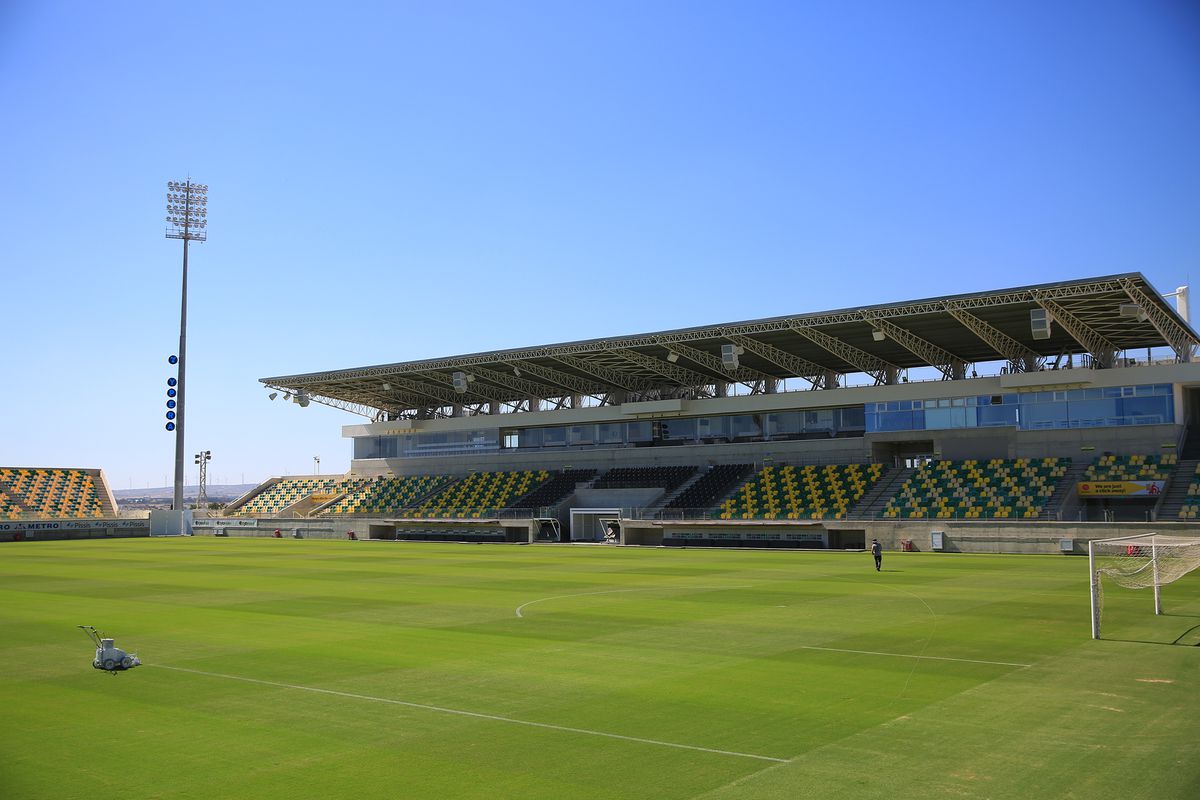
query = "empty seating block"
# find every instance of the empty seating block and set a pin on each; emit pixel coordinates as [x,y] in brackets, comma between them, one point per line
[808,492]
[710,487]
[667,478]
[1130,468]
[479,494]
[387,494]
[33,493]
[554,490]
[995,489]
[290,491]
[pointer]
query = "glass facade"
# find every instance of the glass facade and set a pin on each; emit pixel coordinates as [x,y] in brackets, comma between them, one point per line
[1071,408]
[824,423]
[1151,404]
[414,445]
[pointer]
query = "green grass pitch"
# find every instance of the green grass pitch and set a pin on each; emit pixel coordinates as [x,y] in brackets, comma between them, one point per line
[297,669]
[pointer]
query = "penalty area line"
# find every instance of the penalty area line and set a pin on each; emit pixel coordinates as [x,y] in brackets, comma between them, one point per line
[475,714]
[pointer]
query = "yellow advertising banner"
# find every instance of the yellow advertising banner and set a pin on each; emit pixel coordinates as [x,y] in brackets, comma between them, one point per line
[1120,488]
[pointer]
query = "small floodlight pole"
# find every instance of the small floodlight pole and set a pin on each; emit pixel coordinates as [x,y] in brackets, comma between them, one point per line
[187,220]
[202,458]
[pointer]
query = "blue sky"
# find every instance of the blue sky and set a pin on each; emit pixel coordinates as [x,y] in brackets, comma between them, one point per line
[405,180]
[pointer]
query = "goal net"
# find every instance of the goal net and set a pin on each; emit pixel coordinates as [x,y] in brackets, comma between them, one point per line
[1149,561]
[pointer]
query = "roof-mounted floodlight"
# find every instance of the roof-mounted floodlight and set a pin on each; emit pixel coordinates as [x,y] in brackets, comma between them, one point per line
[729,355]
[672,357]
[301,399]
[878,335]
[1133,310]
[272,395]
[1039,323]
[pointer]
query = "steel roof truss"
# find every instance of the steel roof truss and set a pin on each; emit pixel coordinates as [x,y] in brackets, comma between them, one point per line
[1100,348]
[1179,339]
[870,365]
[799,367]
[950,365]
[600,371]
[1019,356]
[672,372]
[572,383]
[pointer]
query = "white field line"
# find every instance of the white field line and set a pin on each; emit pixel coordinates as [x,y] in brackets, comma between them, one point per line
[475,714]
[919,656]
[615,591]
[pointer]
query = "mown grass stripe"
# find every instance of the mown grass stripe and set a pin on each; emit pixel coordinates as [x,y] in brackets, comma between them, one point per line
[476,714]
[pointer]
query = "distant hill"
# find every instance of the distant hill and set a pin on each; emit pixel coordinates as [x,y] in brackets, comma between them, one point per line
[215,492]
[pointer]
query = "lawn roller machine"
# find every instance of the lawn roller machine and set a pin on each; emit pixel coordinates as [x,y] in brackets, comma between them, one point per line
[110,658]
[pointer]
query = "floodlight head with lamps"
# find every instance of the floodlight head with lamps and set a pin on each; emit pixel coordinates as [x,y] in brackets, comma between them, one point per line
[272,395]
[672,357]
[187,212]
[878,335]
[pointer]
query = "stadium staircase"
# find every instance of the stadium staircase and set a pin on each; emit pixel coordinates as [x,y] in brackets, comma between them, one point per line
[1062,491]
[872,504]
[1191,443]
[1181,500]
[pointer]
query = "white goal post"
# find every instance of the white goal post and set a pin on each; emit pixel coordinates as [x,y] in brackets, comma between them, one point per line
[1150,560]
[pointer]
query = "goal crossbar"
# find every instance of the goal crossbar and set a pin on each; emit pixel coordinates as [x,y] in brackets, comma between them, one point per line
[1149,560]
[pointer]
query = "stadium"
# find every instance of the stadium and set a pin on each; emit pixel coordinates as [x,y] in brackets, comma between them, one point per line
[692,602]
[1029,419]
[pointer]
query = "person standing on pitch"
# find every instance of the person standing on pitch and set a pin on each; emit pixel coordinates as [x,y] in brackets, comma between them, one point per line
[877,551]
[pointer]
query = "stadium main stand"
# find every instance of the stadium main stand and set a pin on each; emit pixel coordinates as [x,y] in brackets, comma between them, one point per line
[946,392]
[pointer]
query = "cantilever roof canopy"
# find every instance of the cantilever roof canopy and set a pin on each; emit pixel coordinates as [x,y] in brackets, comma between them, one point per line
[1095,316]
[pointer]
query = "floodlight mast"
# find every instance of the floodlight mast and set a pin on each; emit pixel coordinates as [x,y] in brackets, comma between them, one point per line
[187,214]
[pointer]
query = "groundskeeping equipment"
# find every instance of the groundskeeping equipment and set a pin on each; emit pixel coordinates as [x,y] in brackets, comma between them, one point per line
[1151,560]
[108,657]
